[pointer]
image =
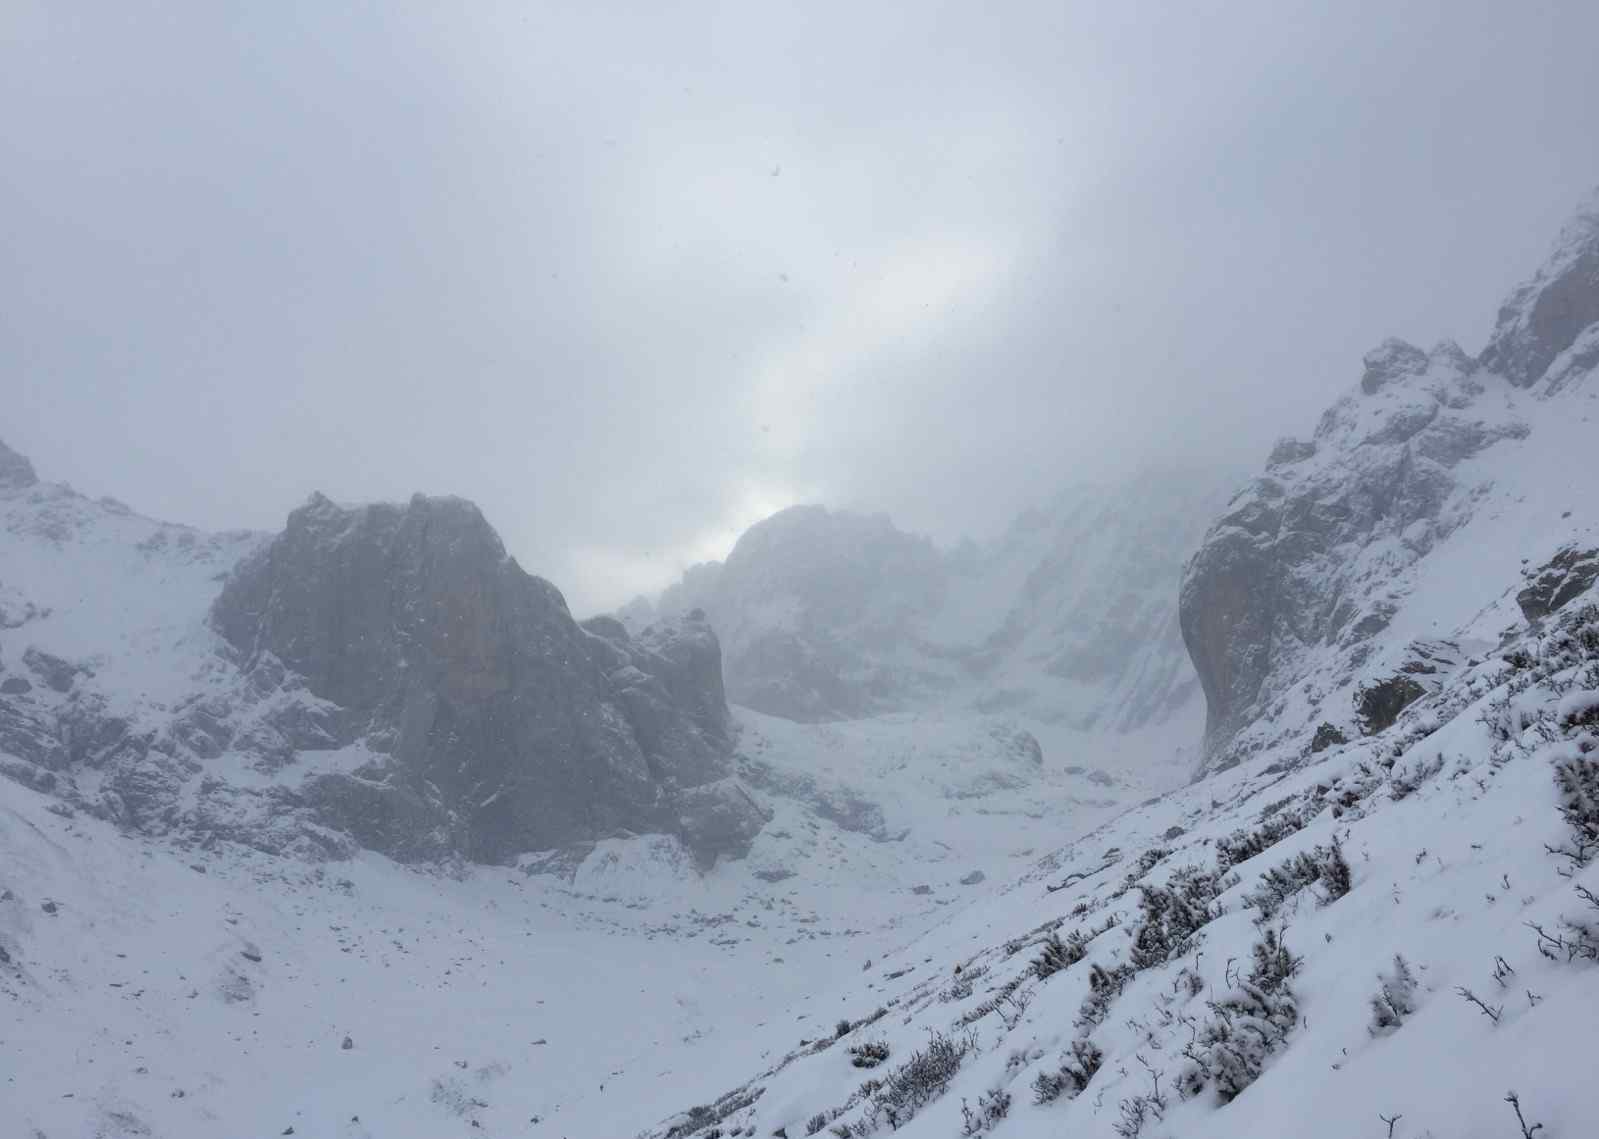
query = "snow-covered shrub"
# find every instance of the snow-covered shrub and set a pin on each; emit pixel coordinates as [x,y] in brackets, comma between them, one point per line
[1395,998]
[868,1054]
[1147,861]
[1104,986]
[961,987]
[921,1079]
[1057,954]
[1245,1027]
[1403,783]
[992,1106]
[1576,939]
[1072,1076]
[1322,864]
[1004,998]
[1136,1112]
[816,1123]
[1172,914]
[1242,845]
[1577,780]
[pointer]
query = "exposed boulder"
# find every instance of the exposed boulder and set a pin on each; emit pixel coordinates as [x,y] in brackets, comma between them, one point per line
[1567,575]
[496,723]
[56,673]
[1379,704]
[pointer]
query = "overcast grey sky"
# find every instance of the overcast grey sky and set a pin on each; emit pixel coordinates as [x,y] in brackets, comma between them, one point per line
[633,276]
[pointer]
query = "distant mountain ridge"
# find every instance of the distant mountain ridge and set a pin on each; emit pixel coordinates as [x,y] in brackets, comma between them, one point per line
[1069,616]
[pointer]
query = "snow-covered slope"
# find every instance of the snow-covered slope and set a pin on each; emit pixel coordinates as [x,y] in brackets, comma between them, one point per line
[973,912]
[1068,618]
[154,986]
[1381,908]
[1224,960]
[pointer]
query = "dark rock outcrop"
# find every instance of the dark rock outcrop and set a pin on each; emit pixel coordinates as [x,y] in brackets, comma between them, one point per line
[1379,704]
[1282,571]
[496,724]
[1547,315]
[16,472]
[1570,573]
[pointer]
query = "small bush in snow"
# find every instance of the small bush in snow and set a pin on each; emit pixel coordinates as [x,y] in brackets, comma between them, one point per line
[869,1054]
[1323,864]
[1403,783]
[1104,986]
[992,1106]
[997,1002]
[921,1079]
[961,987]
[1072,1076]
[1172,914]
[1057,954]
[1246,1027]
[816,1123]
[1395,999]
[1242,845]
[1577,780]
[1576,939]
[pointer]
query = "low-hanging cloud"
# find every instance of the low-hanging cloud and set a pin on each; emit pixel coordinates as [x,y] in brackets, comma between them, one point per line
[633,277]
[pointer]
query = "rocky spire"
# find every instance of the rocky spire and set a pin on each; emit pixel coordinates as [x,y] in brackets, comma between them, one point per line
[1546,314]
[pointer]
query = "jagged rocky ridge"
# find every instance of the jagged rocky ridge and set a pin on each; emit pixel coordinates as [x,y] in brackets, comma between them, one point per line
[383,676]
[1284,601]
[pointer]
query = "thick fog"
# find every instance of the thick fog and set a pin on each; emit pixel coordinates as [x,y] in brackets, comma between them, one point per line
[633,277]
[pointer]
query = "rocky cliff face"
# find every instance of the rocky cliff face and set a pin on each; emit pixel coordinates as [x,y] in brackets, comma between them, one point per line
[383,676]
[492,717]
[1290,606]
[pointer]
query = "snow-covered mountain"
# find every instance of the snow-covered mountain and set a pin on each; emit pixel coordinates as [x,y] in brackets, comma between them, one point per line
[1068,618]
[246,777]
[268,784]
[1330,591]
[383,677]
[1378,912]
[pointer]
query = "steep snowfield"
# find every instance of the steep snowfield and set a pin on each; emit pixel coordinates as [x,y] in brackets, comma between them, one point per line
[92,581]
[1444,822]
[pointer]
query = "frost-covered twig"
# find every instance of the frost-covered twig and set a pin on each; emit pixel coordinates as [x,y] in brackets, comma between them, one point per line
[1515,1101]
[1488,1011]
